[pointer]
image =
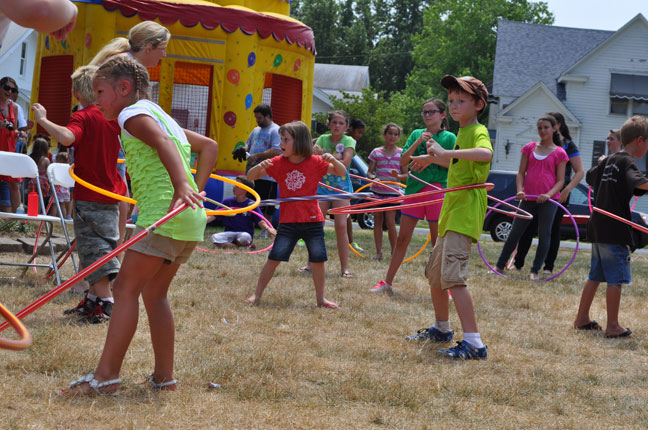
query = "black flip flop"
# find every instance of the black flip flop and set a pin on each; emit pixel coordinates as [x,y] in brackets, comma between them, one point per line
[627,333]
[592,325]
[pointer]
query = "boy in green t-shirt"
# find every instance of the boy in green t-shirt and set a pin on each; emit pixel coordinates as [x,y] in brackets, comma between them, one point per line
[461,220]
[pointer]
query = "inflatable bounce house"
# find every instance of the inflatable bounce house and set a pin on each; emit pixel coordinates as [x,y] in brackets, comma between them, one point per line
[223,59]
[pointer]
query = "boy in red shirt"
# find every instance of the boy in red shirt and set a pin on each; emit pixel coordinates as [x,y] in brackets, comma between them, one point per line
[96,144]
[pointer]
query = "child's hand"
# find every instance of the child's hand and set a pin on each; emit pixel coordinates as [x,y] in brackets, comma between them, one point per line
[520,196]
[433,148]
[543,198]
[419,163]
[394,173]
[265,163]
[425,136]
[272,232]
[329,158]
[39,111]
[186,194]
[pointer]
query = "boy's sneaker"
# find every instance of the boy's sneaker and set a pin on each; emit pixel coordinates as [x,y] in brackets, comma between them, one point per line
[357,247]
[101,312]
[382,287]
[465,351]
[431,334]
[84,307]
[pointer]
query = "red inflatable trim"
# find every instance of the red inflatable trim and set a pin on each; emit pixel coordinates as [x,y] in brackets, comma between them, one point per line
[211,17]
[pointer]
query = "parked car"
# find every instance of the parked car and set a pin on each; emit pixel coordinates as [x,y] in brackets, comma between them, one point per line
[499,225]
[360,168]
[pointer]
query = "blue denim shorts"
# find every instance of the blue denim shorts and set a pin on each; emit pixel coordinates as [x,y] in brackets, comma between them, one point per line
[289,233]
[610,264]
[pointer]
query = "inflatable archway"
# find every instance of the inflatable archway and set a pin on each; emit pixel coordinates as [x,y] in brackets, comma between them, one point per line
[223,59]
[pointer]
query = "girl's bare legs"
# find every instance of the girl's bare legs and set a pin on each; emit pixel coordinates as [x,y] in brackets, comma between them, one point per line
[404,237]
[264,278]
[390,221]
[161,322]
[378,233]
[136,272]
[341,235]
[318,280]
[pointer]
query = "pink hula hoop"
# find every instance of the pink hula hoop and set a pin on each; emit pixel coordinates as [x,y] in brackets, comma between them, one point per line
[519,213]
[564,268]
[334,211]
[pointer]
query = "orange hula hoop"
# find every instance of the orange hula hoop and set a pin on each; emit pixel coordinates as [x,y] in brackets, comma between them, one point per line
[208,212]
[25,340]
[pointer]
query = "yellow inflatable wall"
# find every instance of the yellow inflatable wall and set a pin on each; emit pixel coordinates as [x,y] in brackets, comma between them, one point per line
[223,59]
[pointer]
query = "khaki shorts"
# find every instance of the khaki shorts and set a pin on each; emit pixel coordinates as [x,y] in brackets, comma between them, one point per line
[173,251]
[448,264]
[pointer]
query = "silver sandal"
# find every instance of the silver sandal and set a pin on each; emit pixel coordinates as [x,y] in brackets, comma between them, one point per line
[159,385]
[93,383]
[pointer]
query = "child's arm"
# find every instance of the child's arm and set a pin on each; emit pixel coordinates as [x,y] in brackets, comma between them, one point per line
[335,167]
[421,162]
[270,229]
[58,132]
[519,178]
[579,173]
[402,176]
[472,154]
[146,129]
[560,181]
[317,150]
[45,16]
[208,150]
[370,170]
[259,171]
[406,155]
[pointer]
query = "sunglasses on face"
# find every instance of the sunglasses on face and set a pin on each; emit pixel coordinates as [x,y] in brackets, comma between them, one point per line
[10,88]
[429,112]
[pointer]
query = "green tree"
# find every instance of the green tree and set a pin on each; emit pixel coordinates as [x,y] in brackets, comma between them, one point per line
[374,109]
[458,38]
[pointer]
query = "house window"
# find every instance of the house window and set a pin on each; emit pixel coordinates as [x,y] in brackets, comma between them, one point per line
[561,91]
[23,59]
[628,94]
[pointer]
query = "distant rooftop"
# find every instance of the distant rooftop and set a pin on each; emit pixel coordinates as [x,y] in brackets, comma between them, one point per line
[526,53]
[338,77]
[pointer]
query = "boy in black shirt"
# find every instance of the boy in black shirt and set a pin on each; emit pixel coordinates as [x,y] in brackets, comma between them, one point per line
[616,179]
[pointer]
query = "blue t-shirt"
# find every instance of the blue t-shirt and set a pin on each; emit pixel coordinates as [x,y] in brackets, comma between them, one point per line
[262,139]
[243,222]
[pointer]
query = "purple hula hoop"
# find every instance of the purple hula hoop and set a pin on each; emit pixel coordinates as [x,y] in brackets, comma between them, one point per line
[552,276]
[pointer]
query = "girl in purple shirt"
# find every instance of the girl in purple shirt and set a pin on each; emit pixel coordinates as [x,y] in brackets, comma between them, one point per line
[540,177]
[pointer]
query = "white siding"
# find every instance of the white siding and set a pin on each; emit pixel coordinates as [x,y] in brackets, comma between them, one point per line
[626,52]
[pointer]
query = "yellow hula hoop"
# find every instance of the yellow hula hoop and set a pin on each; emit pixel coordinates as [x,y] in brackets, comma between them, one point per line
[208,212]
[384,182]
[409,258]
[25,337]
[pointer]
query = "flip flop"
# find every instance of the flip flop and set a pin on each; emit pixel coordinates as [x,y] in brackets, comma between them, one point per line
[592,325]
[304,269]
[347,274]
[330,305]
[627,333]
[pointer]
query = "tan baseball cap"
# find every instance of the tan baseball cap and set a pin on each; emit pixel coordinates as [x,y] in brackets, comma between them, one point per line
[467,83]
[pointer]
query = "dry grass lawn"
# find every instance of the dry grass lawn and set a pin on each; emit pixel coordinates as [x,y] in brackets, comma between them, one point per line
[288,365]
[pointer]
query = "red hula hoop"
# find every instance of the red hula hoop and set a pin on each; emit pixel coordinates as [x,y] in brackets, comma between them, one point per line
[334,211]
[623,220]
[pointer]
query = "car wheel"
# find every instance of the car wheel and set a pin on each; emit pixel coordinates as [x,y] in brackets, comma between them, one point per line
[366,221]
[501,229]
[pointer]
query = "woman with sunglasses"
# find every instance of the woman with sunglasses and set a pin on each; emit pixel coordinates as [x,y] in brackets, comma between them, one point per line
[428,168]
[8,131]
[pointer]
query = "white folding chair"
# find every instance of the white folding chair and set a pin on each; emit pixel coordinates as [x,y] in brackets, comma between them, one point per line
[59,176]
[22,166]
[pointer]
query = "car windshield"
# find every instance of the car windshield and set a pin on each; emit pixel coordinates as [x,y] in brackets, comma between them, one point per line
[578,196]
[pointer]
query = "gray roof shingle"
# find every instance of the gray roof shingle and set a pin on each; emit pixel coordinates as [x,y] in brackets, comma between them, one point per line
[528,53]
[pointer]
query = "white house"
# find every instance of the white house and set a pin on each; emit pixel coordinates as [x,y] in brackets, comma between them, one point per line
[596,79]
[17,56]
